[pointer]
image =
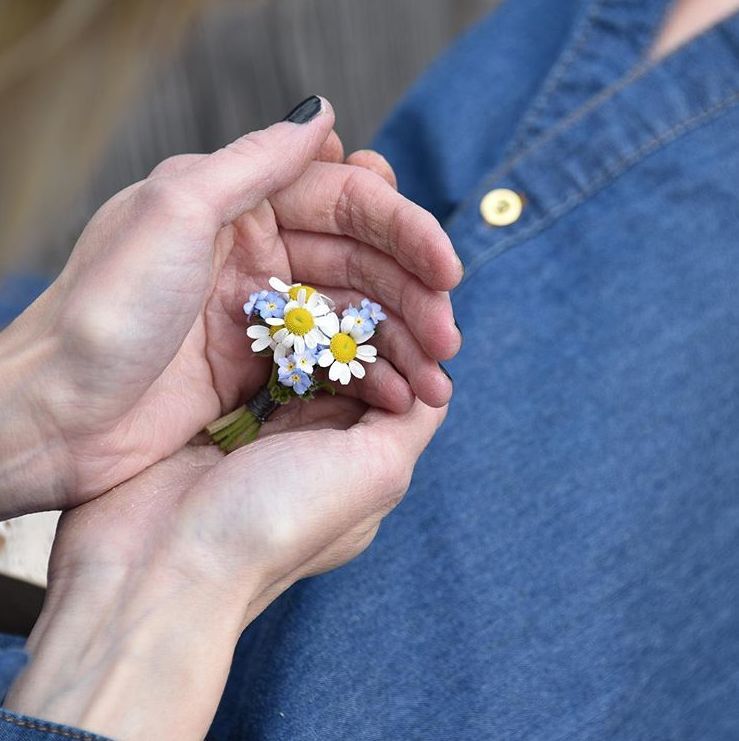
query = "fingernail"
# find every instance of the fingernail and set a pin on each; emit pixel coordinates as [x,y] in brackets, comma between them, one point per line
[305,111]
[446,373]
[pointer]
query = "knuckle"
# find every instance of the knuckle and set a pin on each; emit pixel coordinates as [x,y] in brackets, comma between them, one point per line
[162,195]
[405,300]
[88,334]
[344,209]
[356,276]
[385,473]
[375,274]
[250,145]
[393,476]
[353,209]
[382,167]
[361,541]
[169,199]
[397,225]
[169,166]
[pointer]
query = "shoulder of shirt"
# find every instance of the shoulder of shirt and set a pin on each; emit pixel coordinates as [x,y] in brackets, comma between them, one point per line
[454,123]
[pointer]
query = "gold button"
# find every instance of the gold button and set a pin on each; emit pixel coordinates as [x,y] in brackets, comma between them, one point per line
[501,207]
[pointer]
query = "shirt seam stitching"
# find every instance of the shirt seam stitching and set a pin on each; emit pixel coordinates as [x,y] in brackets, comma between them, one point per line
[603,179]
[47,728]
[553,80]
[559,128]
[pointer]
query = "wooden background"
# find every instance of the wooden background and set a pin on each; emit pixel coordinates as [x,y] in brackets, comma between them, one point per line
[245,64]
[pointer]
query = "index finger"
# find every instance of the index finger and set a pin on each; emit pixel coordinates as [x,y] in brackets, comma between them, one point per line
[343,199]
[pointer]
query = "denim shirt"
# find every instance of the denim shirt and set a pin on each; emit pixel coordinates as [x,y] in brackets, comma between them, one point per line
[565,563]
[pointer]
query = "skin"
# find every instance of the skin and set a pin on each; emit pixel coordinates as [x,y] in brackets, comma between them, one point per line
[186,568]
[163,572]
[687,19]
[194,547]
[140,341]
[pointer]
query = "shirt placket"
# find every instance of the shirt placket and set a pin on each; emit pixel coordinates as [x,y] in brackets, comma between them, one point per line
[582,151]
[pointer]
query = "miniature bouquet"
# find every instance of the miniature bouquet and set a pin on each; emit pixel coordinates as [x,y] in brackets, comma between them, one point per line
[300,329]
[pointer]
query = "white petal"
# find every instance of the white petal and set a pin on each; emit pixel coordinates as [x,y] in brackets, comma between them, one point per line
[280,334]
[325,358]
[280,352]
[313,338]
[278,285]
[328,324]
[328,301]
[301,296]
[288,340]
[290,305]
[345,375]
[261,344]
[256,330]
[299,343]
[366,351]
[320,310]
[359,338]
[347,323]
[356,368]
[334,371]
[273,321]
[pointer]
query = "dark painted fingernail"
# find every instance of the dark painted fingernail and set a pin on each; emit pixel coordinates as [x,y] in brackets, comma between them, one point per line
[446,373]
[305,111]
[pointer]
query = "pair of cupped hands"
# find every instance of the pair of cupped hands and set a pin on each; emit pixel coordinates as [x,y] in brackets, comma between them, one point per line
[141,342]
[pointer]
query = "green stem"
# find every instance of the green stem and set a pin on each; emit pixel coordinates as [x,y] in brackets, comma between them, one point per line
[225,421]
[241,427]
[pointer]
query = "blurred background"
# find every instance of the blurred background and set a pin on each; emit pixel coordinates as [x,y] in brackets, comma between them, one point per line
[94,93]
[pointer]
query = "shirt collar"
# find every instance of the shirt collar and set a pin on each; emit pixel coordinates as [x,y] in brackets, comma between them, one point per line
[584,134]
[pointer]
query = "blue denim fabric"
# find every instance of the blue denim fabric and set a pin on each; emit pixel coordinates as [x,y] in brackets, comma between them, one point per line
[565,564]
[17,292]
[12,659]
[14,727]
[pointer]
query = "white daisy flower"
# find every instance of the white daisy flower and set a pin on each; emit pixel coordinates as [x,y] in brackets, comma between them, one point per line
[301,325]
[264,337]
[345,350]
[292,291]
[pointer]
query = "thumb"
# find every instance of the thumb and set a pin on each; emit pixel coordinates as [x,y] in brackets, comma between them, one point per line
[240,175]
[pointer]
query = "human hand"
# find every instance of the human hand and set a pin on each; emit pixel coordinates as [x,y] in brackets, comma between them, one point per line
[140,343]
[151,584]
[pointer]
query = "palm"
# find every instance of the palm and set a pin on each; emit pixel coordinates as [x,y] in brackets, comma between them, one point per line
[159,346]
[214,367]
[254,251]
[261,519]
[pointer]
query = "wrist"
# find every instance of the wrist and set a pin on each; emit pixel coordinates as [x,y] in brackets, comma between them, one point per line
[144,655]
[35,470]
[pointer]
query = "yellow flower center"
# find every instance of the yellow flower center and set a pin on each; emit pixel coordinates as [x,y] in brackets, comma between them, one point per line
[343,347]
[295,290]
[299,321]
